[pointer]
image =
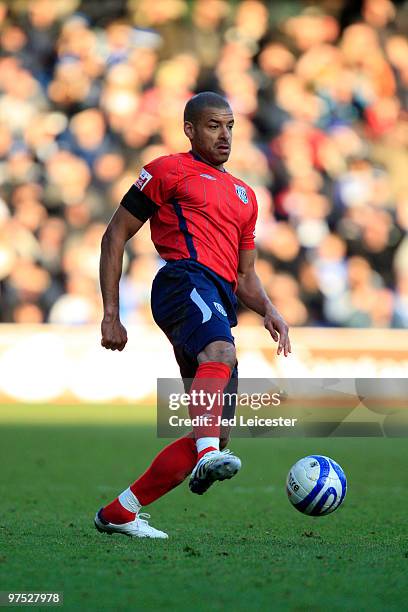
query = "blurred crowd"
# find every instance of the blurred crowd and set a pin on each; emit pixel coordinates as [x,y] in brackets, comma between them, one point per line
[90,92]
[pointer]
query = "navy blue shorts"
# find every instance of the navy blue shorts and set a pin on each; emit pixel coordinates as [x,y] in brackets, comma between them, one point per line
[193,306]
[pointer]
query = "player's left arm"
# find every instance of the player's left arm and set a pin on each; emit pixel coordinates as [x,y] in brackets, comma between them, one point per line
[252,294]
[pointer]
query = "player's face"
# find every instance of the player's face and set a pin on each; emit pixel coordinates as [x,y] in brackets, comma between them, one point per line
[211,135]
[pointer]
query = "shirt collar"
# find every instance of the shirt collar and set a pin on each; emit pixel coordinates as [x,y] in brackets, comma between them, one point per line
[198,157]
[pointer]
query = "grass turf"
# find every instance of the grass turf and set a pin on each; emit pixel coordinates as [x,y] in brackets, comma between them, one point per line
[241,546]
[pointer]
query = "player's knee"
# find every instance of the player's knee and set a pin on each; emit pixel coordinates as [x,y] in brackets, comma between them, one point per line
[221,351]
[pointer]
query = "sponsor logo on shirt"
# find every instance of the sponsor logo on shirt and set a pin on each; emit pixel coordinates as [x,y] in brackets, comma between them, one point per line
[212,178]
[220,308]
[241,193]
[143,179]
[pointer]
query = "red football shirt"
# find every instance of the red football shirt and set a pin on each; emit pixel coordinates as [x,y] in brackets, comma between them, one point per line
[203,213]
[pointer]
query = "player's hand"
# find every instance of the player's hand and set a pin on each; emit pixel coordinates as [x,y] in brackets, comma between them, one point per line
[279,330]
[114,335]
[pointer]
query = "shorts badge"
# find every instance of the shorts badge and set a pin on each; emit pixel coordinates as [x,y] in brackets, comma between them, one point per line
[220,308]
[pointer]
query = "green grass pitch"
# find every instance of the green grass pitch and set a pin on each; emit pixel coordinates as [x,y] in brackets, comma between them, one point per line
[239,547]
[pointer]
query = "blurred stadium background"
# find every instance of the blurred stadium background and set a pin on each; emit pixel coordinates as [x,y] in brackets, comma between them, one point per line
[92,90]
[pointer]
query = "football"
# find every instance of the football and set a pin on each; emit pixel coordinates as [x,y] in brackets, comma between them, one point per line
[316,485]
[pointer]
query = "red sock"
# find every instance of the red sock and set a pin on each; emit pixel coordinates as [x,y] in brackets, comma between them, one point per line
[211,378]
[205,451]
[116,513]
[169,468]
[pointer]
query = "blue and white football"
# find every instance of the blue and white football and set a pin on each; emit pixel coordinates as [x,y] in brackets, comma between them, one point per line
[316,485]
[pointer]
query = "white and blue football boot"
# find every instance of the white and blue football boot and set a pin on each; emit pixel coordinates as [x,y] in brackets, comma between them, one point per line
[138,528]
[214,465]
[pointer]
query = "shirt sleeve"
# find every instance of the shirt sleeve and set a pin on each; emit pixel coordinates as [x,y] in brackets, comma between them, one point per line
[158,180]
[247,242]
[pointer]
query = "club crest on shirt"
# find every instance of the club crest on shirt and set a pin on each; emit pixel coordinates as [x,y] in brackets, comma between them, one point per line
[241,193]
[143,179]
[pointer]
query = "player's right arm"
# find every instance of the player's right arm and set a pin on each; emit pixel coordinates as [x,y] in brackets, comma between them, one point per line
[154,186]
[121,228]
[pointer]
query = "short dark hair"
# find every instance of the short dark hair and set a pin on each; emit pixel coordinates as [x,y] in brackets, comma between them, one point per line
[201,101]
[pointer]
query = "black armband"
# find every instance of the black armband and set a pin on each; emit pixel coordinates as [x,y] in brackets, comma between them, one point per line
[138,204]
